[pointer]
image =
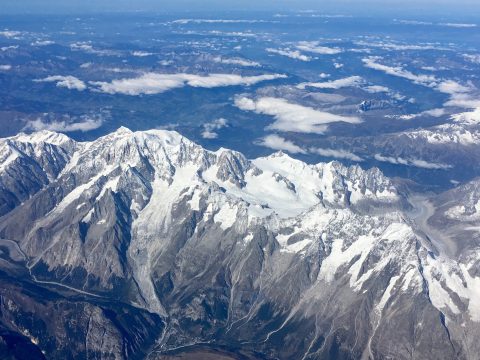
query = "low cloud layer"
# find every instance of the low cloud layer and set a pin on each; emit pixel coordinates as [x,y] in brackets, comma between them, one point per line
[209,129]
[218,21]
[473,58]
[84,125]
[452,87]
[432,112]
[334,84]
[426,80]
[139,53]
[8,48]
[429,23]
[42,43]
[463,100]
[10,34]
[89,49]
[277,142]
[154,83]
[412,162]
[460,94]
[336,153]
[393,46]
[314,47]
[293,54]
[69,82]
[373,89]
[236,61]
[292,117]
[459,25]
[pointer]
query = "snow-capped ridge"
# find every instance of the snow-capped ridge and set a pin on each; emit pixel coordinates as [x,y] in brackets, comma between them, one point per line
[42,136]
[276,184]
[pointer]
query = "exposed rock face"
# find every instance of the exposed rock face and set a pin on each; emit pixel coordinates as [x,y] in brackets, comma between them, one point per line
[271,255]
[39,324]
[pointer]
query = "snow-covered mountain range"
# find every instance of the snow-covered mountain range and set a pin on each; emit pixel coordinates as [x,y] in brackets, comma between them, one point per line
[272,256]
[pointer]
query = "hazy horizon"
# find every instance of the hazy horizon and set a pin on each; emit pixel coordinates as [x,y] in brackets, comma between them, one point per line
[422,8]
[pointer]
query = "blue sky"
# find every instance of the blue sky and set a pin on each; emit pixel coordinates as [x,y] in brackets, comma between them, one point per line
[420,7]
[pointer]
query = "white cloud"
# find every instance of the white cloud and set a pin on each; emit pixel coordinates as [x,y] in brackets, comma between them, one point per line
[458,92]
[435,112]
[392,46]
[142,53]
[414,22]
[432,112]
[11,47]
[154,83]
[463,100]
[293,54]
[314,47]
[377,89]
[334,84]
[452,87]
[458,25]
[429,68]
[232,33]
[218,21]
[209,128]
[169,126]
[88,48]
[322,97]
[81,46]
[429,165]
[292,117]
[474,58]
[361,50]
[9,34]
[455,25]
[86,124]
[468,118]
[276,142]
[412,162]
[69,82]
[236,61]
[5,67]
[336,153]
[42,43]
[338,65]
[209,134]
[166,62]
[426,80]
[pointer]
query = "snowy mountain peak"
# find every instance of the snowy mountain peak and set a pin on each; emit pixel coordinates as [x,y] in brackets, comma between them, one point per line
[285,185]
[43,136]
[123,130]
